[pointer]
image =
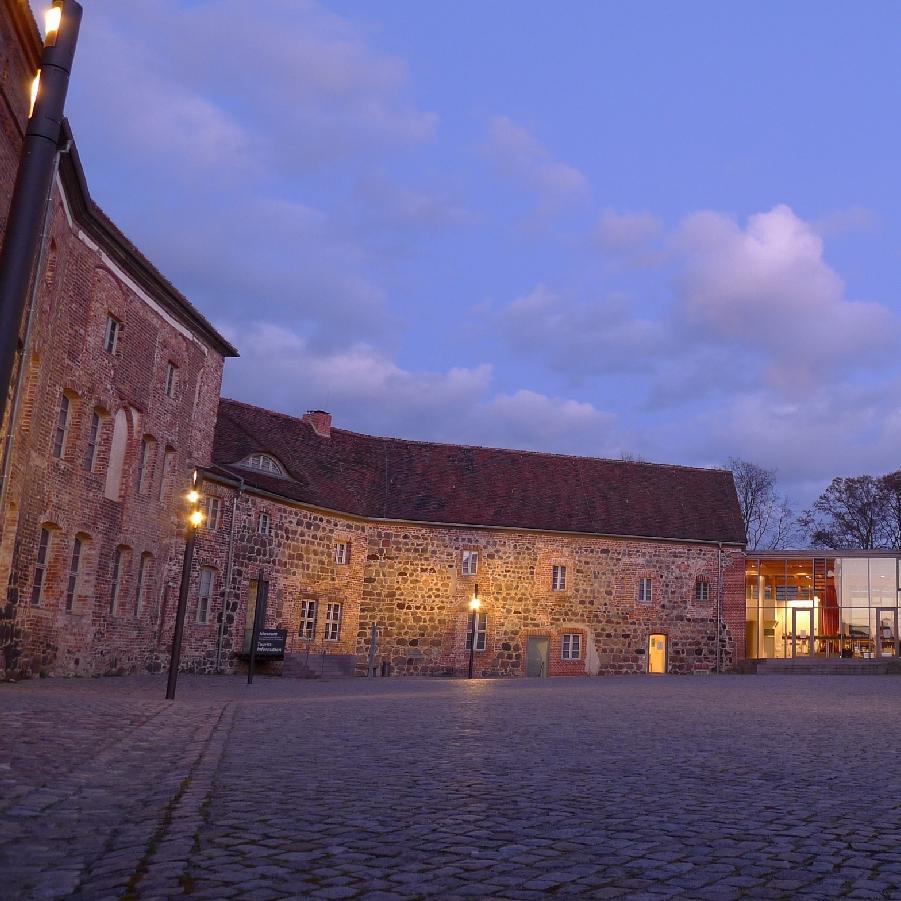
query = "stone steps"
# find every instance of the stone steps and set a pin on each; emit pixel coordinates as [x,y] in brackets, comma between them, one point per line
[318,666]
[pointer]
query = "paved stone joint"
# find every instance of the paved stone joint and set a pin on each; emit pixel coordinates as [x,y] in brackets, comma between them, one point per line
[714,788]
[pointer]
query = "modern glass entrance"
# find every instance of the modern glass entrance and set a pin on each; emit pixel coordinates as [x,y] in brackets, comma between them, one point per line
[799,604]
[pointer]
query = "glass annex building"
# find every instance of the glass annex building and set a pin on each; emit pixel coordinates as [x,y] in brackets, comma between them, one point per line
[802,605]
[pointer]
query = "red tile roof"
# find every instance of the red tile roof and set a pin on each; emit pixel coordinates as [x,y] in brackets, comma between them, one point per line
[391,478]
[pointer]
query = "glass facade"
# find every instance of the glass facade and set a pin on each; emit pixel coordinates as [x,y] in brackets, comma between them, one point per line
[811,606]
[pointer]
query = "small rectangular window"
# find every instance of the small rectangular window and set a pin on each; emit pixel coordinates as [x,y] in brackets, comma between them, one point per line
[117,576]
[572,646]
[481,631]
[308,619]
[333,622]
[62,427]
[171,378]
[264,523]
[111,336]
[90,458]
[644,591]
[72,583]
[470,563]
[702,591]
[203,596]
[558,578]
[342,553]
[40,567]
[213,513]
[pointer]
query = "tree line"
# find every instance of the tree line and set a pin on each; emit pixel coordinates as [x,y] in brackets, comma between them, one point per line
[853,512]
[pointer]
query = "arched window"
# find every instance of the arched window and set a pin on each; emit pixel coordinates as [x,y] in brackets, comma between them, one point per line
[117,456]
[264,463]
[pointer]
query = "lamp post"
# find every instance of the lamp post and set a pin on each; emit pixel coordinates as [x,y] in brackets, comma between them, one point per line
[474,606]
[33,179]
[195,519]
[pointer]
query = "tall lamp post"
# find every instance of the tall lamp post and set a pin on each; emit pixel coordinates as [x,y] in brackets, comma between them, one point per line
[194,522]
[474,606]
[33,179]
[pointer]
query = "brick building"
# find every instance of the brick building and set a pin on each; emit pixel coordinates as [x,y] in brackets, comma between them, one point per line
[114,401]
[581,565]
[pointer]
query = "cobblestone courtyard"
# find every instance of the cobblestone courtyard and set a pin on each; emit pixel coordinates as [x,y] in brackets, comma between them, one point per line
[729,787]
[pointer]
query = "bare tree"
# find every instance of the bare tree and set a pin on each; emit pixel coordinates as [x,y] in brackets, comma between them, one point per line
[769,520]
[853,512]
[629,457]
[891,485]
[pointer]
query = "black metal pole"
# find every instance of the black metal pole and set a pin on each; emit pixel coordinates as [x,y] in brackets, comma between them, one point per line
[180,613]
[472,641]
[33,181]
[258,616]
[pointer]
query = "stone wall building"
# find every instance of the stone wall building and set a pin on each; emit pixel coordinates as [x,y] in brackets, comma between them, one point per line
[581,565]
[114,401]
[577,561]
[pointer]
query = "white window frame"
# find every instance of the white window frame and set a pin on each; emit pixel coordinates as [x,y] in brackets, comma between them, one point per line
[171,379]
[263,524]
[308,610]
[213,502]
[263,463]
[469,563]
[112,333]
[702,591]
[558,577]
[571,646]
[342,553]
[74,574]
[333,622]
[205,594]
[645,590]
[41,565]
[481,631]
[61,429]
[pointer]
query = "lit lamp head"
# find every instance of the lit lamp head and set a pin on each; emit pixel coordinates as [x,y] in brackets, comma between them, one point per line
[196,518]
[193,496]
[35,87]
[52,20]
[475,604]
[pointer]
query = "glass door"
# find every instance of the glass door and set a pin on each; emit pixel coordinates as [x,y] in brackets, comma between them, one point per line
[802,631]
[887,631]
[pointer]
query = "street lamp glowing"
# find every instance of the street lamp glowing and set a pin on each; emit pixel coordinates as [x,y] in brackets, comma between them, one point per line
[196,519]
[475,604]
[192,496]
[52,19]
[34,92]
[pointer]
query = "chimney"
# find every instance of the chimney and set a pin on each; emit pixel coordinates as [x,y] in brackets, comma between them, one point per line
[321,422]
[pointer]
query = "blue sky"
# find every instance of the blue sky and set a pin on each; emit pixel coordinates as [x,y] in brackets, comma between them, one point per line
[593,227]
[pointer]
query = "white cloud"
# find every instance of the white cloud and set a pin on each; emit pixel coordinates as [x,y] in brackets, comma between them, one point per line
[520,154]
[627,233]
[368,391]
[768,289]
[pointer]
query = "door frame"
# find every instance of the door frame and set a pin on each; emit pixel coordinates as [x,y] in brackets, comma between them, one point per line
[893,613]
[665,638]
[811,612]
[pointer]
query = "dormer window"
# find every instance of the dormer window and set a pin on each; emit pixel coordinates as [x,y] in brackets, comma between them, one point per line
[263,463]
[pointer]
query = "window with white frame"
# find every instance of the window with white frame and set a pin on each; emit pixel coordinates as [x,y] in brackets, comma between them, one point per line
[74,569]
[572,646]
[263,525]
[308,619]
[264,463]
[644,590]
[90,458]
[143,580]
[558,577]
[112,334]
[213,513]
[470,563]
[116,581]
[171,378]
[62,426]
[702,591]
[333,622]
[342,553]
[204,595]
[481,625]
[40,567]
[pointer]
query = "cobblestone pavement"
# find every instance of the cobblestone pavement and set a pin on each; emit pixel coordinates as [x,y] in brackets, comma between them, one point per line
[667,787]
